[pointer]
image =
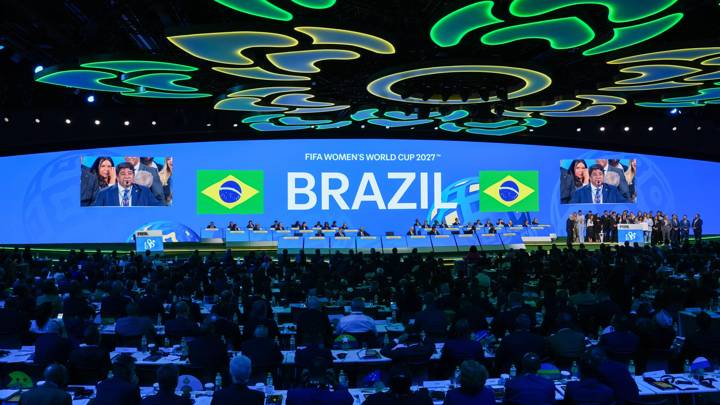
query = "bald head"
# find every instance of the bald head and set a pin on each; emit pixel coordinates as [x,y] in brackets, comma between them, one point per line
[56,373]
[240,367]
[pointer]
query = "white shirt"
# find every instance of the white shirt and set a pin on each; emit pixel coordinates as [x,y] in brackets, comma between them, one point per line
[121,190]
[594,190]
[356,322]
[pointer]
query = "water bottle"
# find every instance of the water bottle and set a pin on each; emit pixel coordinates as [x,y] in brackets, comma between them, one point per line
[143,343]
[513,371]
[277,341]
[456,377]
[394,316]
[686,367]
[386,340]
[292,342]
[159,320]
[342,379]
[423,335]
[218,382]
[166,342]
[184,347]
[631,367]
[269,389]
[376,299]
[574,370]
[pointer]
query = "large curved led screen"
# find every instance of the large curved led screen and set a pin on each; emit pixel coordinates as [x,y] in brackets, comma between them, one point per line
[381,185]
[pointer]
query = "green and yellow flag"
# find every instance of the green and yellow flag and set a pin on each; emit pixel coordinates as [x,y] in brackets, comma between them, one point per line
[509,191]
[230,192]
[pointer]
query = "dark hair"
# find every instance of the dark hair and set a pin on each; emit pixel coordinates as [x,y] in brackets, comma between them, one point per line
[91,335]
[571,168]
[472,376]
[530,363]
[125,165]
[399,381]
[596,167]
[124,366]
[167,377]
[95,168]
[43,314]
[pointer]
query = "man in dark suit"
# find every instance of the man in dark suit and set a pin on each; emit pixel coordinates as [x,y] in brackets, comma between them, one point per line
[89,358]
[316,389]
[589,390]
[115,304]
[208,352]
[155,184]
[52,392]
[122,388]
[505,320]
[52,347]
[181,326]
[616,376]
[529,388]
[697,224]
[134,324]
[705,341]
[462,347]
[238,392]
[362,232]
[515,345]
[314,321]
[399,393]
[622,343]
[570,228]
[597,192]
[262,351]
[126,193]
[167,378]
[566,344]
[431,319]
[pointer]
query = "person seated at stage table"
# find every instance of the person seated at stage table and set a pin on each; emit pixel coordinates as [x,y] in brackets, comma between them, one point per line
[589,390]
[122,388]
[356,322]
[167,379]
[433,231]
[399,394]
[413,232]
[133,324]
[340,232]
[319,233]
[250,225]
[303,226]
[528,388]
[317,225]
[52,391]
[211,225]
[326,226]
[238,392]
[597,192]
[344,226]
[277,226]
[316,388]
[472,390]
[232,226]
[362,232]
[334,225]
[535,221]
[126,193]
[526,224]
[509,223]
[456,223]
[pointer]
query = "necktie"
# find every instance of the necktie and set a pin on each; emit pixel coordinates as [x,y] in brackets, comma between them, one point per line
[597,195]
[126,198]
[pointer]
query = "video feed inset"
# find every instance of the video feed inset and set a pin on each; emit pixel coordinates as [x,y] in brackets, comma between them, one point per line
[598,181]
[125,181]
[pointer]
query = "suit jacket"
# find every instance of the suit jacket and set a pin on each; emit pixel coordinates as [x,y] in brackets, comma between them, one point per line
[134,326]
[156,187]
[209,353]
[567,343]
[181,327]
[610,195]
[114,307]
[263,353]
[622,186]
[46,394]
[116,391]
[238,394]
[318,396]
[166,398]
[90,358]
[514,346]
[456,351]
[619,344]
[141,197]
[588,391]
[616,376]
[52,348]
[314,321]
[459,397]
[529,389]
[697,224]
[432,321]
[414,353]
[88,186]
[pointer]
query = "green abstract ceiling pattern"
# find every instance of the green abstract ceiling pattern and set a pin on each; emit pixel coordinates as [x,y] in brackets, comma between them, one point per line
[531,19]
[485,68]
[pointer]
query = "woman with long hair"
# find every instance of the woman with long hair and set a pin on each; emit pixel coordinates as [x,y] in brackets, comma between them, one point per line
[578,173]
[104,169]
[165,179]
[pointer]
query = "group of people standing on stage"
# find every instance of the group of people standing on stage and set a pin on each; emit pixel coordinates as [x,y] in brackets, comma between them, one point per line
[661,228]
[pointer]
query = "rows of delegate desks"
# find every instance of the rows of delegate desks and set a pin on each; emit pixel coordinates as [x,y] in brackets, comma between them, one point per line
[448,239]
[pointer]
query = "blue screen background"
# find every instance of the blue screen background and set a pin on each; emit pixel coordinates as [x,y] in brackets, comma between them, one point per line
[41,192]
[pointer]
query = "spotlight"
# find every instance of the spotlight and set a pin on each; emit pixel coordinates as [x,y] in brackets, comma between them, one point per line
[38,68]
[209,124]
[6,119]
[235,125]
[387,127]
[362,126]
[436,128]
[698,128]
[626,129]
[650,129]
[675,111]
[674,128]
[90,99]
[37,120]
[126,123]
[602,129]
[97,122]
[578,129]
[153,123]
[532,130]
[68,121]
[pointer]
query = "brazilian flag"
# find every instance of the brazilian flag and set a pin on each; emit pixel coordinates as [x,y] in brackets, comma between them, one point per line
[509,191]
[230,192]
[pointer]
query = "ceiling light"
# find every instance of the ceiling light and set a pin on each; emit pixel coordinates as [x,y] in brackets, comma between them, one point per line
[674,111]
[362,126]
[235,125]
[97,122]
[602,129]
[674,128]
[68,121]
[38,68]
[90,99]
[650,129]
[126,123]
[37,120]
[699,128]
[626,129]
[6,119]
[154,123]
[578,129]
[209,124]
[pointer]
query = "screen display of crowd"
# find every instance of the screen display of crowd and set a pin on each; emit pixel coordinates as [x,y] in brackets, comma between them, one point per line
[598,181]
[379,184]
[127,181]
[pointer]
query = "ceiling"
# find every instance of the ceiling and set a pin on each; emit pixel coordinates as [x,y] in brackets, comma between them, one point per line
[641,76]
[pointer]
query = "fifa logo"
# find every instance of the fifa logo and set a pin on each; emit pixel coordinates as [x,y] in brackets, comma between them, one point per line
[149,244]
[631,236]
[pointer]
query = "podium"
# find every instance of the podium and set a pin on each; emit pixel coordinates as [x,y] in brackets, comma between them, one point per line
[366,243]
[632,233]
[419,242]
[151,240]
[293,244]
[443,243]
[317,242]
[211,235]
[394,242]
[342,243]
[465,240]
